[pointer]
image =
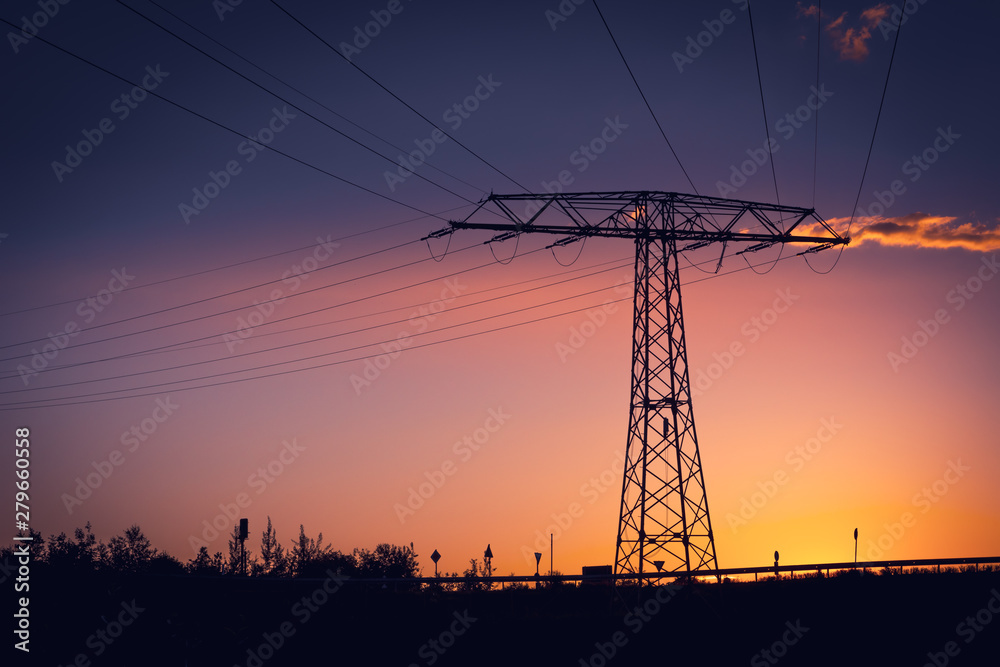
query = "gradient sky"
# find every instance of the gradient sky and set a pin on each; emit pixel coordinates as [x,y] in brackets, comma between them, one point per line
[884,431]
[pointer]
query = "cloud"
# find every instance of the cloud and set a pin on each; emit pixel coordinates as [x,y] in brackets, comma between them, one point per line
[849,41]
[921,230]
[805,10]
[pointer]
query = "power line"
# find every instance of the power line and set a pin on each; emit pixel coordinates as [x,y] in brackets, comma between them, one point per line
[396,97]
[226,127]
[871,146]
[331,336]
[819,38]
[6,407]
[184,346]
[276,95]
[228,266]
[220,296]
[643,95]
[317,356]
[307,96]
[763,107]
[878,116]
[174,346]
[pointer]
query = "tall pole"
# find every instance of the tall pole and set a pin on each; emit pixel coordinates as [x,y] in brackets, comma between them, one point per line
[664,510]
[664,507]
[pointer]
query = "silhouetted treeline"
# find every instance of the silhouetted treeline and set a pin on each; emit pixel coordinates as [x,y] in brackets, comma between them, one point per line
[132,553]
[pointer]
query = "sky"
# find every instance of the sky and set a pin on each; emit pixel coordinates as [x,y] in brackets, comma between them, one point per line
[170,224]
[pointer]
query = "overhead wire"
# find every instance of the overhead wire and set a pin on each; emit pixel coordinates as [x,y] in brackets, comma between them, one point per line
[133,288]
[645,101]
[309,97]
[48,402]
[226,127]
[176,346]
[871,146]
[330,337]
[819,38]
[220,296]
[767,134]
[288,102]
[394,95]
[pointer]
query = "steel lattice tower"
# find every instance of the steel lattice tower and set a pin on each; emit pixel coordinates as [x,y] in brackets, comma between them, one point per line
[664,520]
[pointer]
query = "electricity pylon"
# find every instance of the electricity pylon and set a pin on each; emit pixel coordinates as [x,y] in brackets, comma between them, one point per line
[664,520]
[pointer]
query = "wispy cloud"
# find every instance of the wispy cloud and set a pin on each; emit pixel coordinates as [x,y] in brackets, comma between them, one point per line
[850,37]
[921,230]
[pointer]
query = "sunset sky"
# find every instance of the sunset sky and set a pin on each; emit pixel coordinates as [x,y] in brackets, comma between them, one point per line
[144,236]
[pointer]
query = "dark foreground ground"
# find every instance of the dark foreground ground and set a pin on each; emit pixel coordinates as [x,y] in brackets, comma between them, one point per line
[875,619]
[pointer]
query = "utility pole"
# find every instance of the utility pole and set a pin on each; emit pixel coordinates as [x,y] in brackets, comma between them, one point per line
[664,506]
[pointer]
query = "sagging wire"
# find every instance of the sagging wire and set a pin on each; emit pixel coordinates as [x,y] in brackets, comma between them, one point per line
[567,241]
[447,231]
[501,238]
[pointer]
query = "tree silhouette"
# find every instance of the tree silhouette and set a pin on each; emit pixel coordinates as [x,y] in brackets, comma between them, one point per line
[130,552]
[84,554]
[273,559]
[387,560]
[307,551]
[202,564]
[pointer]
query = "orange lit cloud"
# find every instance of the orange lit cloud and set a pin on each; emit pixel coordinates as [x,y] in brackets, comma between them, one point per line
[850,42]
[922,231]
[803,10]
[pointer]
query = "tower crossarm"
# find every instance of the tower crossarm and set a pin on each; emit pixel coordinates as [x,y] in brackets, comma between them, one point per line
[654,215]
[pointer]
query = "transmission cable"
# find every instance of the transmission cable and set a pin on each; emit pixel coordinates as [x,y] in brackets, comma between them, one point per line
[227,128]
[300,109]
[10,407]
[228,266]
[871,146]
[643,95]
[396,97]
